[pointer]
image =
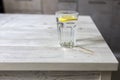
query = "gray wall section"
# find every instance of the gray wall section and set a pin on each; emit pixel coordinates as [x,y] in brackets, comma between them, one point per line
[100,11]
[115,30]
[106,15]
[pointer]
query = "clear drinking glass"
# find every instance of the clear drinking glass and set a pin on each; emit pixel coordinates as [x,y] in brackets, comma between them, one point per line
[66,23]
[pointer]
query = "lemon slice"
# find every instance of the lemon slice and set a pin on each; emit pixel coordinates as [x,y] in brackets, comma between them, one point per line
[67,18]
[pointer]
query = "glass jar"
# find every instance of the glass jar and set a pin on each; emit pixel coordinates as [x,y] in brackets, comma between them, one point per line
[66,23]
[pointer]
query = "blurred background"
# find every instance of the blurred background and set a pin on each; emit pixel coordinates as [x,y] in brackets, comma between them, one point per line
[105,13]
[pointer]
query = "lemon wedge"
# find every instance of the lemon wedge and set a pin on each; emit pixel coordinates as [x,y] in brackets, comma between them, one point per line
[67,18]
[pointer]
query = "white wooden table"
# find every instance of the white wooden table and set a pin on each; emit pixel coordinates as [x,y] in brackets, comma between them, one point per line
[30,43]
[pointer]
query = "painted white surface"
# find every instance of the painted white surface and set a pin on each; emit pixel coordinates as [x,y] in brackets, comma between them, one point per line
[29,42]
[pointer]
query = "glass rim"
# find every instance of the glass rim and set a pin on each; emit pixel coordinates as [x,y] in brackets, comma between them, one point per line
[67,12]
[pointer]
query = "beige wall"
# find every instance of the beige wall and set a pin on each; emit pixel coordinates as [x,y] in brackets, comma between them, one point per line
[37,6]
[22,6]
[49,6]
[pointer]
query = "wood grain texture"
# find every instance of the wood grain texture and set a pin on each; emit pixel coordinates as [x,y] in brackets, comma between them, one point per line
[30,75]
[29,42]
